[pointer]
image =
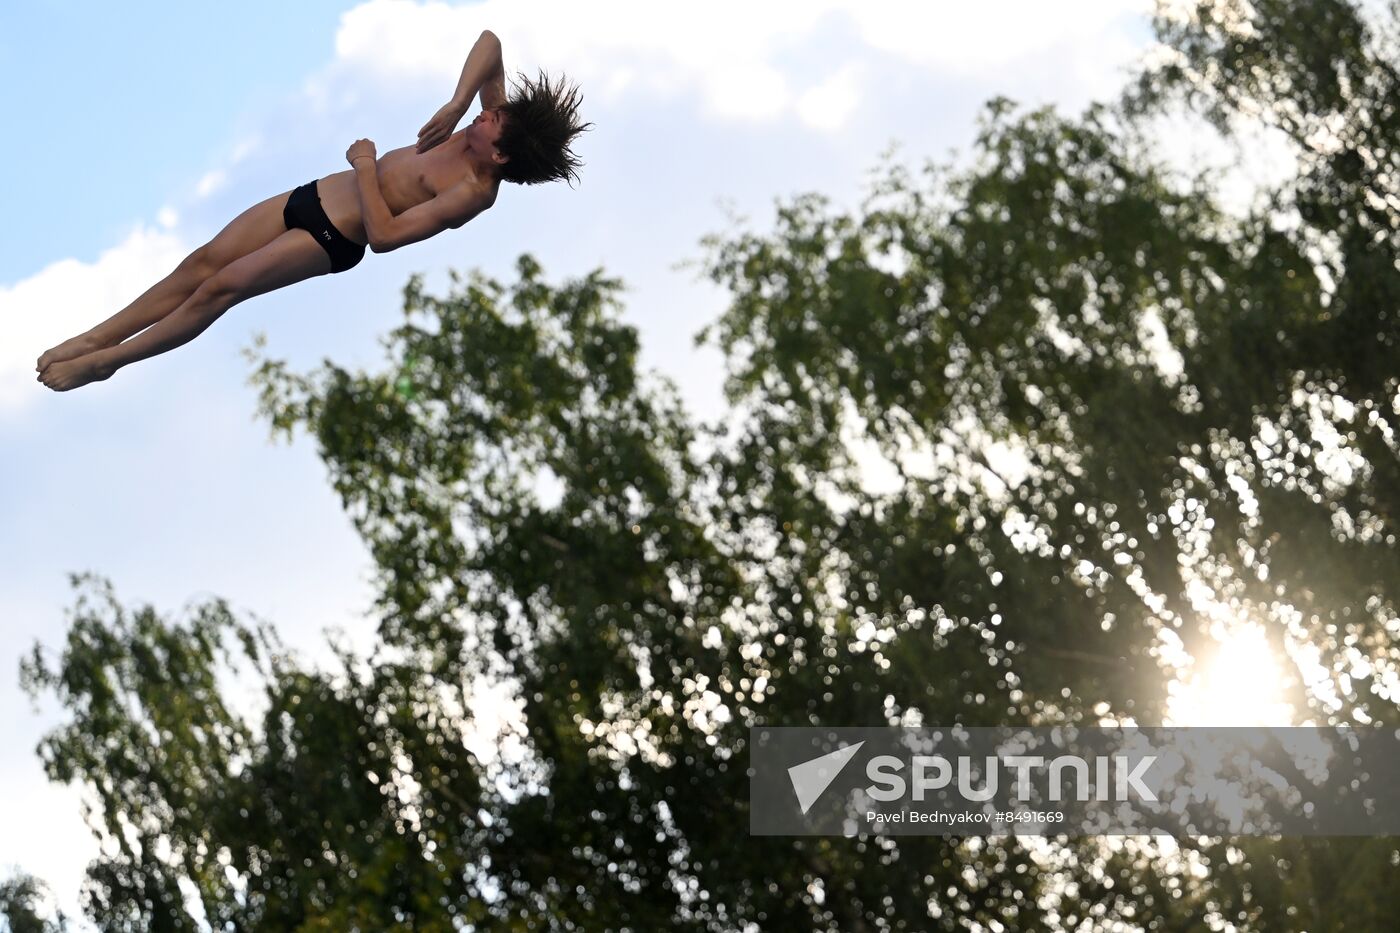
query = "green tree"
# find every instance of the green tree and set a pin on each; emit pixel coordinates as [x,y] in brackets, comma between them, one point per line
[22,907]
[1198,409]
[1323,77]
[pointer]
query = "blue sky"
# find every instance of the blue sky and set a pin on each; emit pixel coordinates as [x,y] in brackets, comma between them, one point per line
[133,100]
[146,127]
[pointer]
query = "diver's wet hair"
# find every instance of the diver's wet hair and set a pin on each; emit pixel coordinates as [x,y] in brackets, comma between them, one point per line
[541,120]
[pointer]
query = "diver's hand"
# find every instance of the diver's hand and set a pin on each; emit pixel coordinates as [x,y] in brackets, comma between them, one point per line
[360,147]
[440,126]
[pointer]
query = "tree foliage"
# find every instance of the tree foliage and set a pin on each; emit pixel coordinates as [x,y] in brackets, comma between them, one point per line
[22,907]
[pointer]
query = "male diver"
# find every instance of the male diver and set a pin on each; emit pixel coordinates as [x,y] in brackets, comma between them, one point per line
[324,226]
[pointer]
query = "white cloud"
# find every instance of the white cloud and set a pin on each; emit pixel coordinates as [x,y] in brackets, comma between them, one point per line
[211,182]
[244,148]
[69,296]
[724,50]
[731,54]
[973,37]
[747,91]
[828,105]
[218,178]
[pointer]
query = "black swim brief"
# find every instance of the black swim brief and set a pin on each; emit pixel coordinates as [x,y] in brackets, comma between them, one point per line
[304,210]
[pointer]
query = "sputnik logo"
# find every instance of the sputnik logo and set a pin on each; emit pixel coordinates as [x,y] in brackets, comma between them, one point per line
[810,778]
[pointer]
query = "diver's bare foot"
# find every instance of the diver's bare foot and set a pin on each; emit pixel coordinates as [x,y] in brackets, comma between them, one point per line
[70,374]
[71,348]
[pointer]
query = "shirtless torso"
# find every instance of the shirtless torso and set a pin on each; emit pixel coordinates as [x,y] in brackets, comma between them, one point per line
[407,178]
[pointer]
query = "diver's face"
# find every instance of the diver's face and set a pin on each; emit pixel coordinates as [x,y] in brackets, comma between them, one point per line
[483,133]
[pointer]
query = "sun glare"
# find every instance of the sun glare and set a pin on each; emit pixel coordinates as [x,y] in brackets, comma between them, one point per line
[1241,684]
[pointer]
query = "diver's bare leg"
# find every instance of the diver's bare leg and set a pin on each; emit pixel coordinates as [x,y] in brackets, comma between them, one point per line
[251,230]
[155,303]
[292,257]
